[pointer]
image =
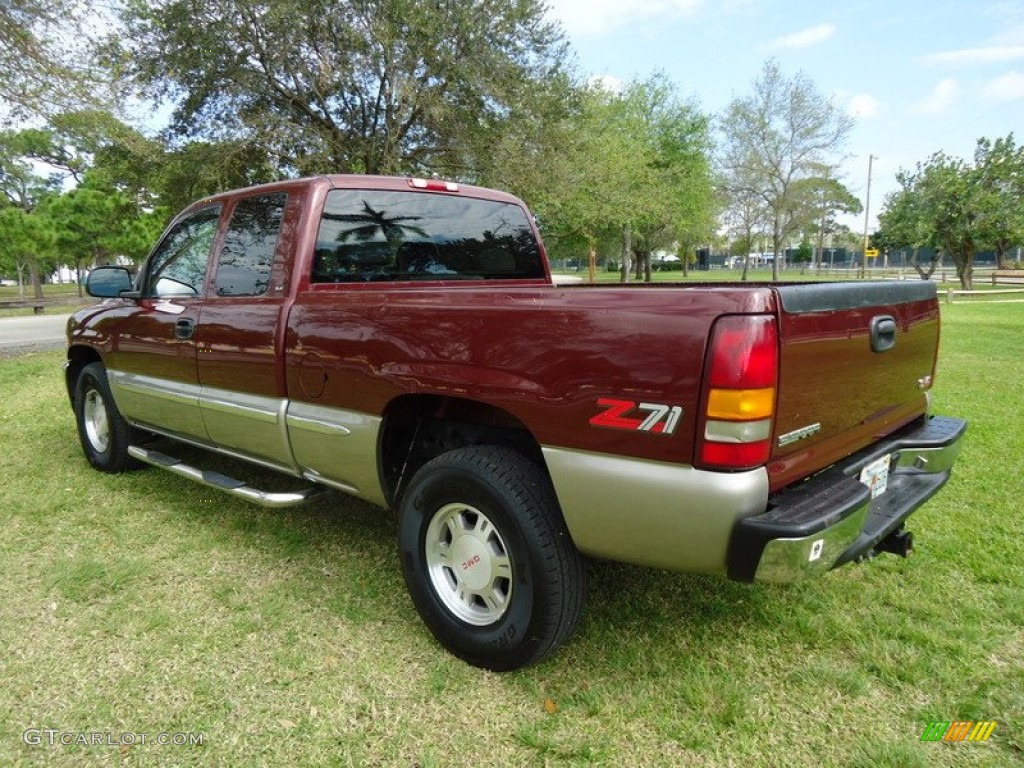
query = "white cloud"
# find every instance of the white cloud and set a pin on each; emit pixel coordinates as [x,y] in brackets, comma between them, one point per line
[941,98]
[863,105]
[593,18]
[804,38]
[1009,87]
[994,54]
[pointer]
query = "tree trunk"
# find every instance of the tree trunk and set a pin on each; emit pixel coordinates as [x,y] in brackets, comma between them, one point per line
[777,244]
[627,251]
[926,274]
[592,264]
[746,266]
[1001,250]
[37,284]
[820,251]
[965,269]
[647,266]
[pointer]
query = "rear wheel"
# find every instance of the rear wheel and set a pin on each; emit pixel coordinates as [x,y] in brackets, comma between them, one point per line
[103,432]
[487,558]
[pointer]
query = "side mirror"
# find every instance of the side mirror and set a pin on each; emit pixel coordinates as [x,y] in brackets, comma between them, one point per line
[108,282]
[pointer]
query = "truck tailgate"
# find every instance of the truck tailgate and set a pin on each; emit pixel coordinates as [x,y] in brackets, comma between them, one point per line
[856,360]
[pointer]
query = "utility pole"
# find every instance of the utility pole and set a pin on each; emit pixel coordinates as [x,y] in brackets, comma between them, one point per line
[867,210]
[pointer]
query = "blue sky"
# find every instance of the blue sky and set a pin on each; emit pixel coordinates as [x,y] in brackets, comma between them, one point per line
[918,76]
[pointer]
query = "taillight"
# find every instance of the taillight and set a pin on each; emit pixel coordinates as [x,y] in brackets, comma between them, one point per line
[739,404]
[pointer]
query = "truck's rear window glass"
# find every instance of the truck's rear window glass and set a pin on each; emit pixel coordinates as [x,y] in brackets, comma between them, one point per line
[380,235]
[243,267]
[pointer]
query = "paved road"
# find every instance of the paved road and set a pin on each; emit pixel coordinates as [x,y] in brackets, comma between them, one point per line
[32,333]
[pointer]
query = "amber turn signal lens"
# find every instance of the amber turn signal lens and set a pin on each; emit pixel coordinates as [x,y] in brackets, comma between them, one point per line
[741,404]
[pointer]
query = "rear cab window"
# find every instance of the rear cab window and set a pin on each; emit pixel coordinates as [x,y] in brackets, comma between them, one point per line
[382,235]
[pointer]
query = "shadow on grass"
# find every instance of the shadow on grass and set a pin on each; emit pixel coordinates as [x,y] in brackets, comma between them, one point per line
[342,552]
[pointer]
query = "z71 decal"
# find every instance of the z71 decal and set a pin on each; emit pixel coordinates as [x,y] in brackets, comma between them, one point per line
[657,419]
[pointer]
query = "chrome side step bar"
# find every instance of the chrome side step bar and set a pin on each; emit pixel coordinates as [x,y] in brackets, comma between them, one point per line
[223,482]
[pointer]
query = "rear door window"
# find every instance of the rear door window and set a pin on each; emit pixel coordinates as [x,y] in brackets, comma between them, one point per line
[247,255]
[371,235]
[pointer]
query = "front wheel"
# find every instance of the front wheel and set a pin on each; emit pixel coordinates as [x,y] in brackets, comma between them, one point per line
[487,558]
[103,432]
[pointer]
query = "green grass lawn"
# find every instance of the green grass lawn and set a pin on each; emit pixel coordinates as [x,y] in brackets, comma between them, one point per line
[142,604]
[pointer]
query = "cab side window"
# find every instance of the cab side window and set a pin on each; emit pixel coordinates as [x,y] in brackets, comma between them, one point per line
[246,258]
[178,268]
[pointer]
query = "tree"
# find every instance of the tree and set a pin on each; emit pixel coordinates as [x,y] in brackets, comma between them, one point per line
[20,185]
[804,254]
[367,86]
[951,202]
[679,203]
[782,134]
[589,179]
[98,225]
[957,206]
[747,218]
[26,247]
[822,198]
[117,157]
[635,170]
[71,142]
[46,58]
[180,176]
[1000,166]
[112,213]
[902,224]
[22,191]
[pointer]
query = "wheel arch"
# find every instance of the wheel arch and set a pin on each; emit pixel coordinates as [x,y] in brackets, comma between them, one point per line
[79,356]
[417,428]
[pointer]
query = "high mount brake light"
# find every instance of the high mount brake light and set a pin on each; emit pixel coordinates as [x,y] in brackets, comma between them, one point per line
[435,185]
[739,405]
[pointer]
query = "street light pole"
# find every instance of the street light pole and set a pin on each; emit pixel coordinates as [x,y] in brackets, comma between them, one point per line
[867,211]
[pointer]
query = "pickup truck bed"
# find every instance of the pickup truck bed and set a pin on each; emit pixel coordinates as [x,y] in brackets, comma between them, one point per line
[401,340]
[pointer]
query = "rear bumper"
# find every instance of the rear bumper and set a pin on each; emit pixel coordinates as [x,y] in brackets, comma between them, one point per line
[831,519]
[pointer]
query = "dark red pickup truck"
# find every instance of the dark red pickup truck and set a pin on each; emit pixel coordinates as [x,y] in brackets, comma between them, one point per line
[402,340]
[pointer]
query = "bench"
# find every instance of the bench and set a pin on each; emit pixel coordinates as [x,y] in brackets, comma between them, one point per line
[37,305]
[1008,277]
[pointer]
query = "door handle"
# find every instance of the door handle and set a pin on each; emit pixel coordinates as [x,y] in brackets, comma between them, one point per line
[184,328]
[883,333]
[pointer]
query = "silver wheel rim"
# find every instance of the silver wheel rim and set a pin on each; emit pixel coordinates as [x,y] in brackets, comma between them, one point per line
[468,564]
[97,428]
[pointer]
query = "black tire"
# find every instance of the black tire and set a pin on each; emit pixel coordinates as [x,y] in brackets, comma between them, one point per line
[488,561]
[103,432]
